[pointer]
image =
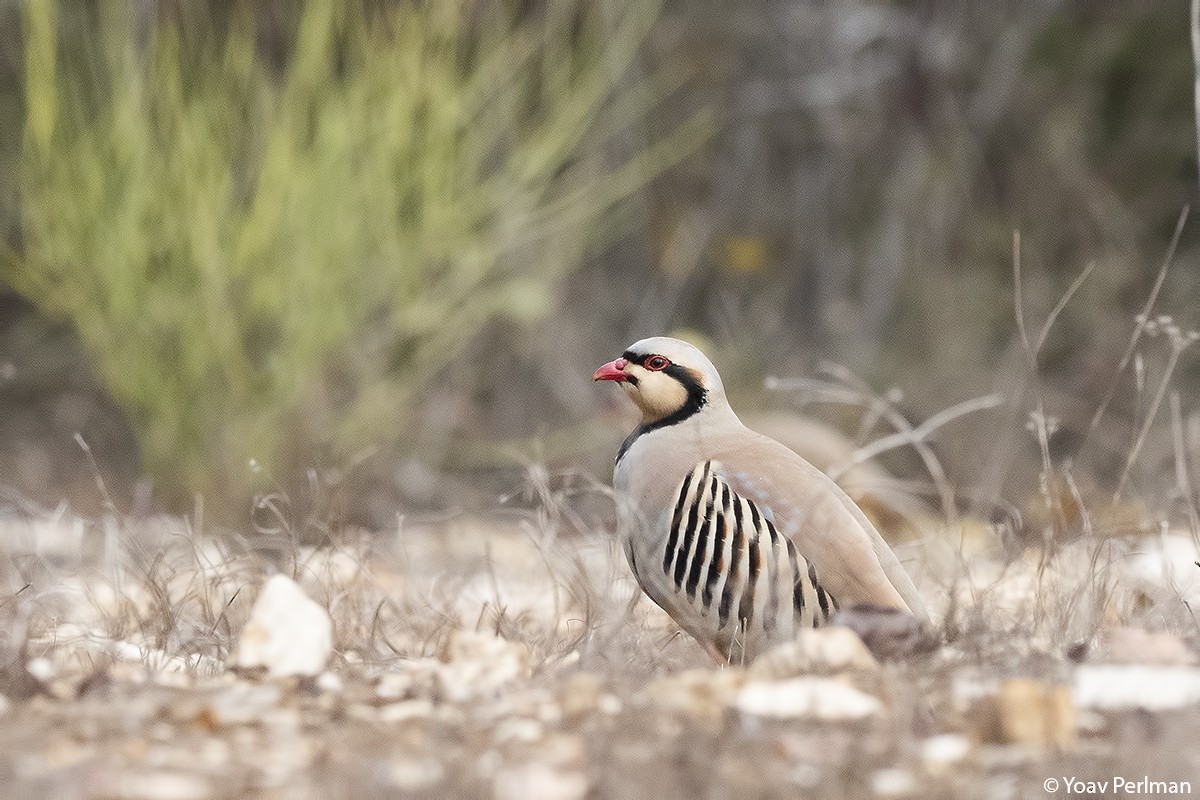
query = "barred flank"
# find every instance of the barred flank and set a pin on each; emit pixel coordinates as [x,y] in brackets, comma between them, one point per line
[713,531]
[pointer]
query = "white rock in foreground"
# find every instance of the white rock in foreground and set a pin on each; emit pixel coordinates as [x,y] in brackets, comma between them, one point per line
[1154,688]
[823,698]
[288,633]
[829,649]
[1166,565]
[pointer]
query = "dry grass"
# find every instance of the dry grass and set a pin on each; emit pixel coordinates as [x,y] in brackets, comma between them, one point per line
[512,656]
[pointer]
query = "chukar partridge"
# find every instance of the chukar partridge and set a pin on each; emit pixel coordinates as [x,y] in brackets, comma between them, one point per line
[740,540]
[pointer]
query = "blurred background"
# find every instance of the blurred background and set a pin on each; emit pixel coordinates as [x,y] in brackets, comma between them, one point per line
[362,257]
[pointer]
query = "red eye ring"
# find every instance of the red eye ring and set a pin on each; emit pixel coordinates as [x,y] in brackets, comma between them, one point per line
[656,363]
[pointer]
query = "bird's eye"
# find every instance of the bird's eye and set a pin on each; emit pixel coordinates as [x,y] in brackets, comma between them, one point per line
[656,363]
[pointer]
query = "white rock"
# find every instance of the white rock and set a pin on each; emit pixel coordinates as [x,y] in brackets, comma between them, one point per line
[414,775]
[41,668]
[893,782]
[1166,565]
[163,784]
[330,682]
[517,729]
[1154,688]
[829,649]
[287,633]
[1124,645]
[476,663]
[823,698]
[536,781]
[405,710]
[609,704]
[945,749]
[244,703]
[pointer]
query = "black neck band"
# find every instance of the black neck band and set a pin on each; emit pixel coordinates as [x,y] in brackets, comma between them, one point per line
[697,396]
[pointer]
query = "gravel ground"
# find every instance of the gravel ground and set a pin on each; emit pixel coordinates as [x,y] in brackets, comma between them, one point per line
[508,658]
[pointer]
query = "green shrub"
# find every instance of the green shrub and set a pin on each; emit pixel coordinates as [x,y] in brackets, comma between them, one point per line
[270,261]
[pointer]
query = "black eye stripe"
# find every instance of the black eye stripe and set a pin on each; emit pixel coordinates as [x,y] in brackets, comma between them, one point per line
[697,396]
[643,360]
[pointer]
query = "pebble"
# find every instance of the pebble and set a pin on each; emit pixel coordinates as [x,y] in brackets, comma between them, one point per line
[1026,711]
[476,663]
[893,782]
[1124,645]
[821,698]
[414,775]
[830,649]
[537,781]
[42,669]
[702,694]
[1154,688]
[1166,568]
[945,749]
[329,682]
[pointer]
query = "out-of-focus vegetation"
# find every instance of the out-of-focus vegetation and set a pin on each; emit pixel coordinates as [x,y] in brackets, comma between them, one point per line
[857,203]
[269,262]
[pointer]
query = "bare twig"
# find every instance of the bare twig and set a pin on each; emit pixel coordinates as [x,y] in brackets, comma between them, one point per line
[1196,70]
[1139,328]
[1179,343]
[857,393]
[1062,303]
[920,433]
[109,505]
[1040,427]
[1182,477]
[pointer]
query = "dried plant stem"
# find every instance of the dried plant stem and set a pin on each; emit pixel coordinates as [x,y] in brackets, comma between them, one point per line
[854,391]
[1182,476]
[1062,303]
[913,435]
[1041,429]
[1139,328]
[109,505]
[1177,348]
[1196,70]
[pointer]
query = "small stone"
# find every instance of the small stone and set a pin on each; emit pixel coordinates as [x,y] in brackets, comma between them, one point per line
[703,694]
[829,649]
[1166,569]
[821,698]
[537,781]
[1135,646]
[1026,711]
[414,775]
[329,682]
[610,704]
[239,704]
[519,729]
[476,663]
[168,785]
[581,695]
[41,669]
[394,685]
[1154,688]
[408,709]
[947,749]
[893,782]
[287,633]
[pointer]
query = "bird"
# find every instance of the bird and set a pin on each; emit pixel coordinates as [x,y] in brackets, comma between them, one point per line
[739,539]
